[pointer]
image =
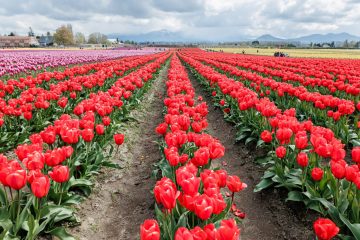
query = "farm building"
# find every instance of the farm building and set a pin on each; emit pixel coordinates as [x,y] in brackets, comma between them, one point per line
[46,41]
[17,41]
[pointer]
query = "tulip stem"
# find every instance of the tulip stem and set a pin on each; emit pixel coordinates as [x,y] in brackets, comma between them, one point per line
[38,203]
[19,198]
[11,195]
[61,193]
[6,196]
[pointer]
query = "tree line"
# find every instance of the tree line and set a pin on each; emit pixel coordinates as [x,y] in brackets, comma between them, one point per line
[64,36]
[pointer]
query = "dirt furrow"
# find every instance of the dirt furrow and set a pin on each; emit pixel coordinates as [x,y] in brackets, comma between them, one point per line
[121,200]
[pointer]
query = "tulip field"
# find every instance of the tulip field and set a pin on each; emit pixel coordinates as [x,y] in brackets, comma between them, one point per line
[63,116]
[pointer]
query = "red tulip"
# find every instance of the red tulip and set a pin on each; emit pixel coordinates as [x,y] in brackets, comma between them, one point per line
[355,154]
[40,186]
[87,134]
[16,179]
[119,138]
[150,230]
[59,173]
[317,174]
[301,140]
[99,129]
[201,157]
[325,229]
[229,230]
[48,136]
[211,232]
[280,152]
[203,207]
[106,121]
[161,128]
[28,115]
[166,193]
[34,161]
[302,159]
[266,136]
[234,184]
[183,233]
[198,233]
[284,135]
[216,150]
[338,170]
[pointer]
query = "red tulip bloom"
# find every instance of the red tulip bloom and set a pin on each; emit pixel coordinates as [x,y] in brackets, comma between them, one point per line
[284,135]
[280,152]
[166,193]
[355,154]
[229,230]
[211,232]
[99,129]
[198,233]
[234,184]
[301,141]
[59,173]
[28,115]
[34,161]
[150,230]
[338,170]
[16,179]
[317,174]
[302,159]
[119,138]
[70,136]
[106,121]
[201,157]
[203,206]
[87,134]
[266,136]
[54,157]
[48,136]
[161,128]
[325,229]
[183,233]
[216,150]
[40,186]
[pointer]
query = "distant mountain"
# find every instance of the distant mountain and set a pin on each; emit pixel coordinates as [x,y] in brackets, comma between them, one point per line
[320,38]
[315,38]
[155,36]
[166,36]
[269,38]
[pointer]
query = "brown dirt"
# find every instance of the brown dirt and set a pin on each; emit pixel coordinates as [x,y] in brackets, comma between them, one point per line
[121,200]
[268,217]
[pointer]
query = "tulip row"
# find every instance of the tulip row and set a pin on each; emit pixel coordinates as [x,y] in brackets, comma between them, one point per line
[299,152]
[16,62]
[12,88]
[312,105]
[324,82]
[37,107]
[189,190]
[57,164]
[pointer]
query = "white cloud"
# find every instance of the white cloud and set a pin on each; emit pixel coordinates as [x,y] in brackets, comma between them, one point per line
[206,19]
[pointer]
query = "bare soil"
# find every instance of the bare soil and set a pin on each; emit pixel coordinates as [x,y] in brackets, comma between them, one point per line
[121,200]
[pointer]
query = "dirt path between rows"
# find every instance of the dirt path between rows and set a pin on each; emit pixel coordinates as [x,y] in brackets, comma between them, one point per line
[121,200]
[268,217]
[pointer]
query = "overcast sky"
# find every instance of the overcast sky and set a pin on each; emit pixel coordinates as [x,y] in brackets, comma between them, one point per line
[205,19]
